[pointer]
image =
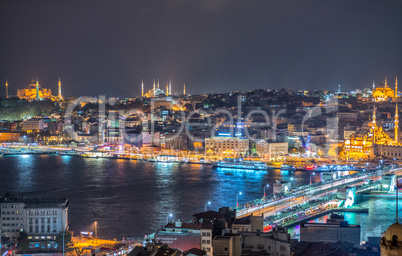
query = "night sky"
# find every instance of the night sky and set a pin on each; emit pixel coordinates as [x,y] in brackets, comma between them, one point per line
[108,46]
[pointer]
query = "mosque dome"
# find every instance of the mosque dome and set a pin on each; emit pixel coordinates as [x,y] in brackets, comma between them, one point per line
[394,231]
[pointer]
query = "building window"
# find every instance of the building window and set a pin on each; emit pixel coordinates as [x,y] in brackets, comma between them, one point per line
[394,240]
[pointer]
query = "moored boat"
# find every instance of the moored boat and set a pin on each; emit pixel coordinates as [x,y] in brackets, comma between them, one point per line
[285,167]
[241,164]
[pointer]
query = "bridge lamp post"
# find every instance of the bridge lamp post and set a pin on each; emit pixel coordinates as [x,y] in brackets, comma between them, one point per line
[291,179]
[267,186]
[170,215]
[209,202]
[310,180]
[237,198]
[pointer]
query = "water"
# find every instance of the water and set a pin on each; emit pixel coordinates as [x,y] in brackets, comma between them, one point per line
[131,198]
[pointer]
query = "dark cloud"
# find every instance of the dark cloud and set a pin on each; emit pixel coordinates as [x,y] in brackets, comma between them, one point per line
[107,47]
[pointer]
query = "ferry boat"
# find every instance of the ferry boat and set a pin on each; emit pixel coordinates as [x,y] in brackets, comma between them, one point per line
[97,154]
[167,159]
[285,167]
[241,164]
[71,152]
[323,168]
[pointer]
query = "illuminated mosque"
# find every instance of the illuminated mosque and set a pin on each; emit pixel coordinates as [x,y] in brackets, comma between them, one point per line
[383,92]
[34,91]
[156,91]
[361,144]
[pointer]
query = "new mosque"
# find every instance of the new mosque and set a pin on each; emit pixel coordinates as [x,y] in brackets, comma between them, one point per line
[371,140]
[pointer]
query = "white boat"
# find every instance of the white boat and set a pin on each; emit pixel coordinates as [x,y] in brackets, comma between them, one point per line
[285,167]
[241,164]
[167,159]
[323,168]
[71,152]
[97,154]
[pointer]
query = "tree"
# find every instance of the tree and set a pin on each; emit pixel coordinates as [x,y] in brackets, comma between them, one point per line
[67,240]
[78,250]
[23,244]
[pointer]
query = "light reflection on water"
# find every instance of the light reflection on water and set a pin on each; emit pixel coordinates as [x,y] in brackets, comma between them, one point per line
[131,198]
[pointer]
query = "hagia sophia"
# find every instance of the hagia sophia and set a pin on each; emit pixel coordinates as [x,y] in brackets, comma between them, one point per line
[34,91]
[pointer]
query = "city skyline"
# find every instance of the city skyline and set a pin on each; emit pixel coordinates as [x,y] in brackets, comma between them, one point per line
[207,128]
[240,46]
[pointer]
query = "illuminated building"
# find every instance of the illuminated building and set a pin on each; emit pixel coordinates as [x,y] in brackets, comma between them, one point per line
[9,136]
[270,150]
[33,125]
[42,219]
[154,92]
[370,137]
[35,92]
[12,209]
[184,89]
[383,92]
[226,146]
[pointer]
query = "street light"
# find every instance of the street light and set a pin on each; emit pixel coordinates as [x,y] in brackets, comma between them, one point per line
[291,179]
[310,177]
[267,186]
[310,180]
[209,202]
[170,215]
[237,198]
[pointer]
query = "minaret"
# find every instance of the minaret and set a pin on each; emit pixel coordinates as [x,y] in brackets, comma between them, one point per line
[153,92]
[396,87]
[142,88]
[373,85]
[37,88]
[396,127]
[386,81]
[167,89]
[158,83]
[184,89]
[170,87]
[6,88]
[60,97]
[374,125]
